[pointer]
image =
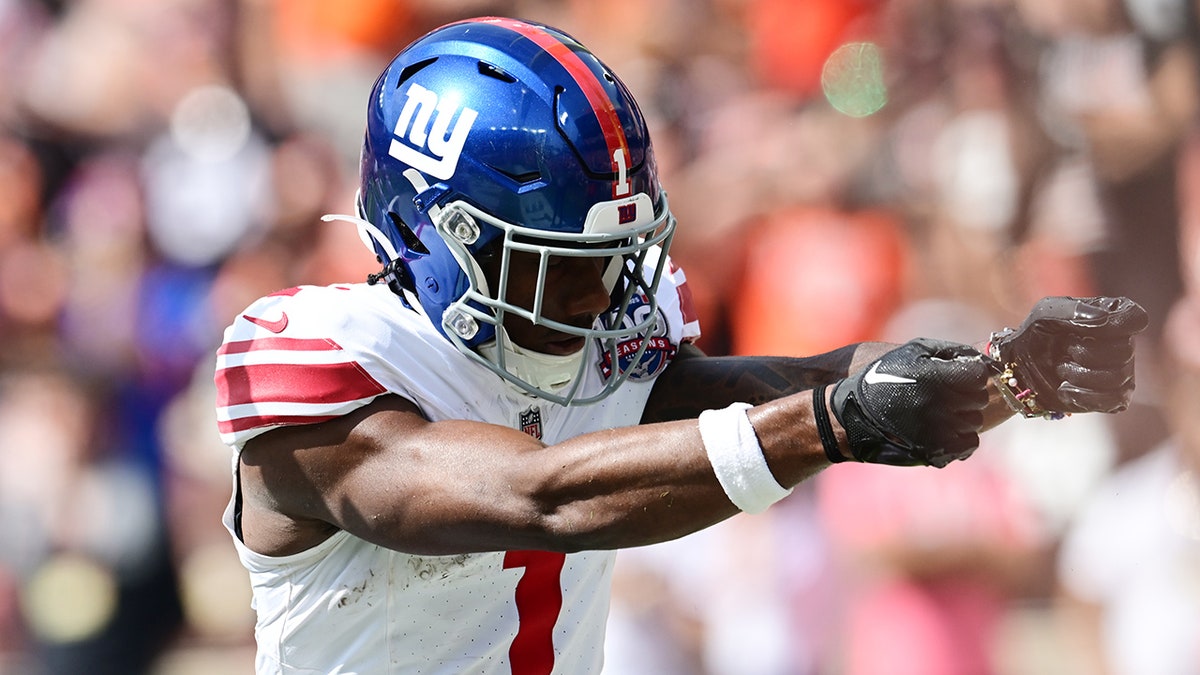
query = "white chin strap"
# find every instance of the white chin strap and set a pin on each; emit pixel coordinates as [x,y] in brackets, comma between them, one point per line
[544,371]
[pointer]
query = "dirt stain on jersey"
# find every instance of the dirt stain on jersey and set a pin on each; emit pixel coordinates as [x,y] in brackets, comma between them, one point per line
[440,567]
[354,594]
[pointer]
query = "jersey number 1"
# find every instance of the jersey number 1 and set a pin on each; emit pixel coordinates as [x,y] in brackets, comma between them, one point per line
[539,600]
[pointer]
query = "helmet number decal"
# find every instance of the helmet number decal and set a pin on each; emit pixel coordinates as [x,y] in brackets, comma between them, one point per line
[621,166]
[430,148]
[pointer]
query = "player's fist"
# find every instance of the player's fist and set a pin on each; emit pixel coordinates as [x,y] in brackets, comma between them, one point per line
[1074,354]
[919,404]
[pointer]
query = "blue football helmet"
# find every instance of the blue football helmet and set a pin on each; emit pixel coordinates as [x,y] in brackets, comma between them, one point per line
[493,135]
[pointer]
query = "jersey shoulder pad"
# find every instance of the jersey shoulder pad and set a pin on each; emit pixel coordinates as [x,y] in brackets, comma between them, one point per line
[301,356]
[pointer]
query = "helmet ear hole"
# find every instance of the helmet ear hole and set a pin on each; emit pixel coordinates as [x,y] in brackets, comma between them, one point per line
[407,236]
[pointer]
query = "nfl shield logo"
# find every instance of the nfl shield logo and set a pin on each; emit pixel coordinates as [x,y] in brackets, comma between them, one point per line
[531,422]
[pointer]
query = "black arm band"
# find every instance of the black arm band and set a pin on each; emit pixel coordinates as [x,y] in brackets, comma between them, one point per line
[825,427]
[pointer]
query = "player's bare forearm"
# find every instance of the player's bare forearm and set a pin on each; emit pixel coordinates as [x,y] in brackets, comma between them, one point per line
[696,382]
[388,476]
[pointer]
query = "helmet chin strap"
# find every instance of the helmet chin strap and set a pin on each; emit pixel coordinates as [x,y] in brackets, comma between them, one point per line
[547,372]
[367,232]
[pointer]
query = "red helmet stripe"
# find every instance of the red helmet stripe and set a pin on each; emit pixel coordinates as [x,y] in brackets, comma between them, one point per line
[602,105]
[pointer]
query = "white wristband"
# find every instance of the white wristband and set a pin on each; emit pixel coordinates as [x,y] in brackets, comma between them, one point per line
[737,459]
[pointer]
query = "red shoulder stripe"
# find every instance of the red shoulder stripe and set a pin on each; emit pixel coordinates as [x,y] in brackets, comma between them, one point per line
[295,383]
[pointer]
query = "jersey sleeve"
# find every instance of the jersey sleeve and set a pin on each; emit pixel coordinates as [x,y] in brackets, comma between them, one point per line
[292,358]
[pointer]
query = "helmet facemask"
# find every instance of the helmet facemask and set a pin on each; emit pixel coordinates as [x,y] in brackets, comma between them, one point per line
[633,261]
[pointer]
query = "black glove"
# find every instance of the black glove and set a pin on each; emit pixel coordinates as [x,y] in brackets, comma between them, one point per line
[919,404]
[1073,354]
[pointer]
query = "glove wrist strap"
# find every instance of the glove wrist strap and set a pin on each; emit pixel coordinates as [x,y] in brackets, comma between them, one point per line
[825,428]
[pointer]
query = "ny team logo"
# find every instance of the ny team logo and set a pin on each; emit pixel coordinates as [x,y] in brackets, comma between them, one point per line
[659,350]
[423,137]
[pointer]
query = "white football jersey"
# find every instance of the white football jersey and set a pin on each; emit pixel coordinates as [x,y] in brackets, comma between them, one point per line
[310,354]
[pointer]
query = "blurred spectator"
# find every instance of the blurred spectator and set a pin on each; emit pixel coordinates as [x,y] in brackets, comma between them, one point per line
[20,191]
[935,565]
[793,299]
[82,531]
[1118,88]
[205,178]
[749,596]
[790,41]
[1129,569]
[215,599]
[932,563]
[1189,239]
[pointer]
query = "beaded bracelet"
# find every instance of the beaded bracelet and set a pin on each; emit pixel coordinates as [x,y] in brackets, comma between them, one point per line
[1022,400]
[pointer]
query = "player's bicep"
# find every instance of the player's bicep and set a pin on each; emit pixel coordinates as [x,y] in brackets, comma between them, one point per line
[385,474]
[292,478]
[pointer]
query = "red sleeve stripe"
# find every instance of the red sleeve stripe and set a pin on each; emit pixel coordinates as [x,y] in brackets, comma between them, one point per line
[243,416]
[293,383]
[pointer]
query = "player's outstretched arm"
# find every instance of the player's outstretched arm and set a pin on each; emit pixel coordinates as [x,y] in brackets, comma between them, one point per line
[695,382]
[1069,355]
[389,476]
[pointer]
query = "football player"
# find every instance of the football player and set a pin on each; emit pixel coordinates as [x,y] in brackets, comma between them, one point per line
[433,469]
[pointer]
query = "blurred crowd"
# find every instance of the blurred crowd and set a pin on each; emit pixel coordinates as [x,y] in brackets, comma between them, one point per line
[165,162]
